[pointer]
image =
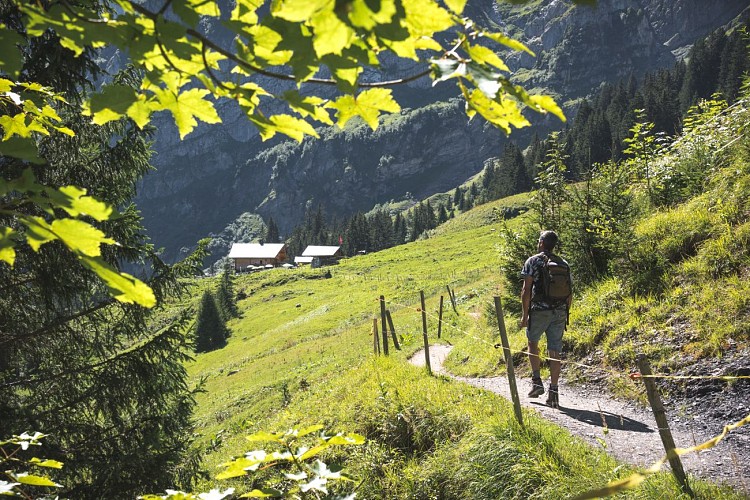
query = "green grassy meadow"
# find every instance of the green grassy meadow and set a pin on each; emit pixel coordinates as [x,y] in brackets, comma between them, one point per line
[302,353]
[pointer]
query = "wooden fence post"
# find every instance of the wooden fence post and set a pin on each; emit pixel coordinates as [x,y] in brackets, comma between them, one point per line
[508,361]
[663,424]
[392,329]
[424,334]
[375,339]
[440,317]
[383,325]
[452,297]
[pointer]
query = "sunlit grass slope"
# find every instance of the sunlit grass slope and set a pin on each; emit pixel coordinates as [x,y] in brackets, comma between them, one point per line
[302,354]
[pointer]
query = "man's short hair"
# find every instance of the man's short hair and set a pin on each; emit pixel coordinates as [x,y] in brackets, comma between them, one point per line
[549,239]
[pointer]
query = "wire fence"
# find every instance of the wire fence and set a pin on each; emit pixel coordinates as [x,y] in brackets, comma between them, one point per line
[612,371]
[636,479]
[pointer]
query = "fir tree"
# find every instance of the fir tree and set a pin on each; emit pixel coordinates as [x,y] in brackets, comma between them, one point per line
[509,176]
[399,229]
[356,236]
[272,234]
[211,331]
[550,185]
[226,299]
[457,195]
[430,219]
[111,391]
[442,215]
[735,62]
[381,230]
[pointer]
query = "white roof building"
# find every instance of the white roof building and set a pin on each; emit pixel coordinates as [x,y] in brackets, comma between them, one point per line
[255,250]
[321,251]
[246,256]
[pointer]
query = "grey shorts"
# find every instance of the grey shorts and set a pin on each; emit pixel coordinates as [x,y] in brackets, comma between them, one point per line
[550,321]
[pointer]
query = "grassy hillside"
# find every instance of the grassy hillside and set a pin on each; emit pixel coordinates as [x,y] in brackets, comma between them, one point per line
[301,353]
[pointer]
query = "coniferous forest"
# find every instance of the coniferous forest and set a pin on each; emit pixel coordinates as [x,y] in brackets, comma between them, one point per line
[597,134]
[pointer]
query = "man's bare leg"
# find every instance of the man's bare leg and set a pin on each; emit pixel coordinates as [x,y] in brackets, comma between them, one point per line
[534,356]
[554,366]
[537,388]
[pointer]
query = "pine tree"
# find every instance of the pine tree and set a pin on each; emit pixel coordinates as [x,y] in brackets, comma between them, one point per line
[95,374]
[418,223]
[272,234]
[534,156]
[211,331]
[442,215]
[457,195]
[489,180]
[226,300]
[550,184]
[510,176]
[399,229]
[357,235]
[430,219]
[318,233]
[735,62]
[643,147]
[381,230]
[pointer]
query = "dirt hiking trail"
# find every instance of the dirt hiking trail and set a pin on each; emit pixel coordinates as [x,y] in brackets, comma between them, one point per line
[625,429]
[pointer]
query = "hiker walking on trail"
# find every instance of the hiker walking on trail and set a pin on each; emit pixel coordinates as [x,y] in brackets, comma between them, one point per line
[545,299]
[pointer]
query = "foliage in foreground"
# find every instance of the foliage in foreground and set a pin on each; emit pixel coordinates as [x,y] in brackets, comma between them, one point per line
[16,461]
[297,478]
[184,70]
[85,356]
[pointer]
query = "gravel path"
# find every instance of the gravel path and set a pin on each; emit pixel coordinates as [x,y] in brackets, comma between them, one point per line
[632,434]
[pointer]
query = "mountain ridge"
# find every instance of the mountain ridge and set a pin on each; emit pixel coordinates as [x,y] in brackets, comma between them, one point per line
[356,169]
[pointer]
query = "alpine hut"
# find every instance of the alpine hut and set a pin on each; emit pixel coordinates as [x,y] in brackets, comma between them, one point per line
[322,255]
[248,255]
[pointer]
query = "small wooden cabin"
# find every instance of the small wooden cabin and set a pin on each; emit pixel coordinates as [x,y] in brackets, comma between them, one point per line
[323,255]
[245,255]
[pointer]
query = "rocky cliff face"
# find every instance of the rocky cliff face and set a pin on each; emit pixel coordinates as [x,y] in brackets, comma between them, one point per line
[205,182]
[578,48]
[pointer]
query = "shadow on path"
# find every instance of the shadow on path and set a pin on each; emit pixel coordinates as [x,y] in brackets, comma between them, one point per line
[603,419]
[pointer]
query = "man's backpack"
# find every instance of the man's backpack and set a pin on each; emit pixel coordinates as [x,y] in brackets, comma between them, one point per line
[555,282]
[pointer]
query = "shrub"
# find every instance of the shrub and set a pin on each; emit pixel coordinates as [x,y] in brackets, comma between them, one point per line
[591,316]
[516,247]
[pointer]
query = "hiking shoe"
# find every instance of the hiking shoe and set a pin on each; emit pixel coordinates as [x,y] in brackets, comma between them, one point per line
[553,398]
[537,388]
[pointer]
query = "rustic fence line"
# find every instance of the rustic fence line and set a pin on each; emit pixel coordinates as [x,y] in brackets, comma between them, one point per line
[612,371]
[672,452]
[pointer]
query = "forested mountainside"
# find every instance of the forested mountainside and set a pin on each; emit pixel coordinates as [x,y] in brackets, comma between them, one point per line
[202,184]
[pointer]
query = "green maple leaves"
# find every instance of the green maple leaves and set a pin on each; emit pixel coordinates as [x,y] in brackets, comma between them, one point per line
[309,44]
[81,238]
[368,105]
[322,42]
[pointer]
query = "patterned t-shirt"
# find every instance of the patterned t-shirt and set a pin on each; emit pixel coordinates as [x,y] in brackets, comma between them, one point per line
[533,267]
